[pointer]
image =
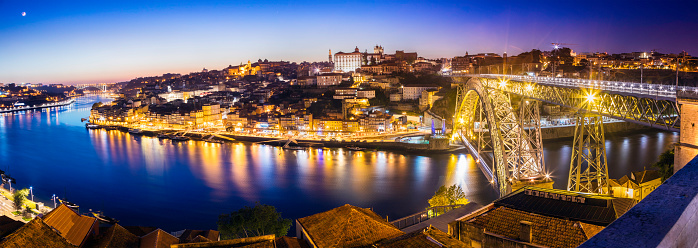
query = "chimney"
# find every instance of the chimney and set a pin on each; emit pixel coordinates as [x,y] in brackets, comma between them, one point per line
[526,234]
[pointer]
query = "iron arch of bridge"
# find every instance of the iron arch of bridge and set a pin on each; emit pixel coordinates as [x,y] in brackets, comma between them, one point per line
[657,112]
[511,150]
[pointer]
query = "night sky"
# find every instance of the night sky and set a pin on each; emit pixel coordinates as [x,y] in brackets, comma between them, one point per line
[109,41]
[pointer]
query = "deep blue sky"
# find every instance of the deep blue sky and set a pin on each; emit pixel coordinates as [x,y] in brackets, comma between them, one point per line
[107,41]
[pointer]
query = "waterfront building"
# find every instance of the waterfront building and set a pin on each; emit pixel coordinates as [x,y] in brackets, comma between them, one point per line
[376,122]
[327,124]
[637,186]
[413,92]
[537,217]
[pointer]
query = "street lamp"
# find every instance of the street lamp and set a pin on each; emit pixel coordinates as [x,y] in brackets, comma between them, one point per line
[54,200]
[31,191]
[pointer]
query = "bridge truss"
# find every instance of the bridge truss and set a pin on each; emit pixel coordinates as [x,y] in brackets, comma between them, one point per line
[642,107]
[486,117]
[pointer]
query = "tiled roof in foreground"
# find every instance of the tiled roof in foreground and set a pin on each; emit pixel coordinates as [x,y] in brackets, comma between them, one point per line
[593,209]
[546,231]
[70,225]
[35,234]
[429,237]
[114,237]
[348,226]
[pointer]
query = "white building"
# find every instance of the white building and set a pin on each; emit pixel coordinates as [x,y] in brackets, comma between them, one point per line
[413,92]
[347,62]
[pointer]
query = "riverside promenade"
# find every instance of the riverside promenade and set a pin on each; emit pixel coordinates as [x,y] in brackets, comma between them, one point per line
[45,105]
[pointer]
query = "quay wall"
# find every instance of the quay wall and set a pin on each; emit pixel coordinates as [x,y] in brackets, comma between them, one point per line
[568,131]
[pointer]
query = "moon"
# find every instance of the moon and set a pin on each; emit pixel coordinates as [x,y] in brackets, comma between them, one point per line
[24,13]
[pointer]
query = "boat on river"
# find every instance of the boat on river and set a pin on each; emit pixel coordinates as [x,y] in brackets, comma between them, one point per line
[92,126]
[163,136]
[68,204]
[135,131]
[355,148]
[179,138]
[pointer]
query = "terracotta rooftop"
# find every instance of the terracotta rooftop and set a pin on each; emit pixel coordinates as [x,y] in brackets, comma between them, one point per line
[8,225]
[429,237]
[266,241]
[347,226]
[73,227]
[35,234]
[546,231]
[189,235]
[158,239]
[113,237]
[593,209]
[140,231]
[200,239]
[641,177]
[289,242]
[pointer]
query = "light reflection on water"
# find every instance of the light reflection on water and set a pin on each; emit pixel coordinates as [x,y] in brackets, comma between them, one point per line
[147,181]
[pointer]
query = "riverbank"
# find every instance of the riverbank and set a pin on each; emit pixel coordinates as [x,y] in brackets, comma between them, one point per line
[45,105]
[376,142]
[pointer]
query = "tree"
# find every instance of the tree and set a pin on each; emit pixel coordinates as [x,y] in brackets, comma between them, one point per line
[666,163]
[253,221]
[452,195]
[19,197]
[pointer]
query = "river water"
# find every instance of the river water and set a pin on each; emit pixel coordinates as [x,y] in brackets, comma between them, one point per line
[151,182]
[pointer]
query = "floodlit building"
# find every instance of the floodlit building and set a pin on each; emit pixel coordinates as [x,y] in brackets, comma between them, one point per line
[347,62]
[637,186]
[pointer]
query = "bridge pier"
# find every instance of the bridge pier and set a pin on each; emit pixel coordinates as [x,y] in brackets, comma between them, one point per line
[687,148]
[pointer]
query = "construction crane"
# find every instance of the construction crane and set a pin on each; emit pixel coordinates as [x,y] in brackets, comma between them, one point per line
[557,45]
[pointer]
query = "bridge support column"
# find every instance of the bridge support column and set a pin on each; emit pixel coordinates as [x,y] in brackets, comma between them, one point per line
[687,148]
[588,167]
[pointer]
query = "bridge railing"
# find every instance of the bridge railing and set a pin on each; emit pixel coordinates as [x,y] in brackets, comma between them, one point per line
[659,90]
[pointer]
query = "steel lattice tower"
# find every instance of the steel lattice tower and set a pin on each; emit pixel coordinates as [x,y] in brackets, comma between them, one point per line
[588,167]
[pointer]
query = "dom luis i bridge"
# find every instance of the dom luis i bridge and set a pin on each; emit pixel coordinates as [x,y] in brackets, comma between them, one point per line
[497,118]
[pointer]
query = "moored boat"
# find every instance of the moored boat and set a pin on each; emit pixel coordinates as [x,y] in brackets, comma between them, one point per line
[355,148]
[92,126]
[68,204]
[135,131]
[103,218]
[179,138]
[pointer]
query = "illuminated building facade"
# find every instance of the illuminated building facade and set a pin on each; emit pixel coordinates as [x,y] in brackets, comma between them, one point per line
[347,62]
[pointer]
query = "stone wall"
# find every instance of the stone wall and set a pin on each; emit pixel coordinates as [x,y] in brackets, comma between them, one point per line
[688,137]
